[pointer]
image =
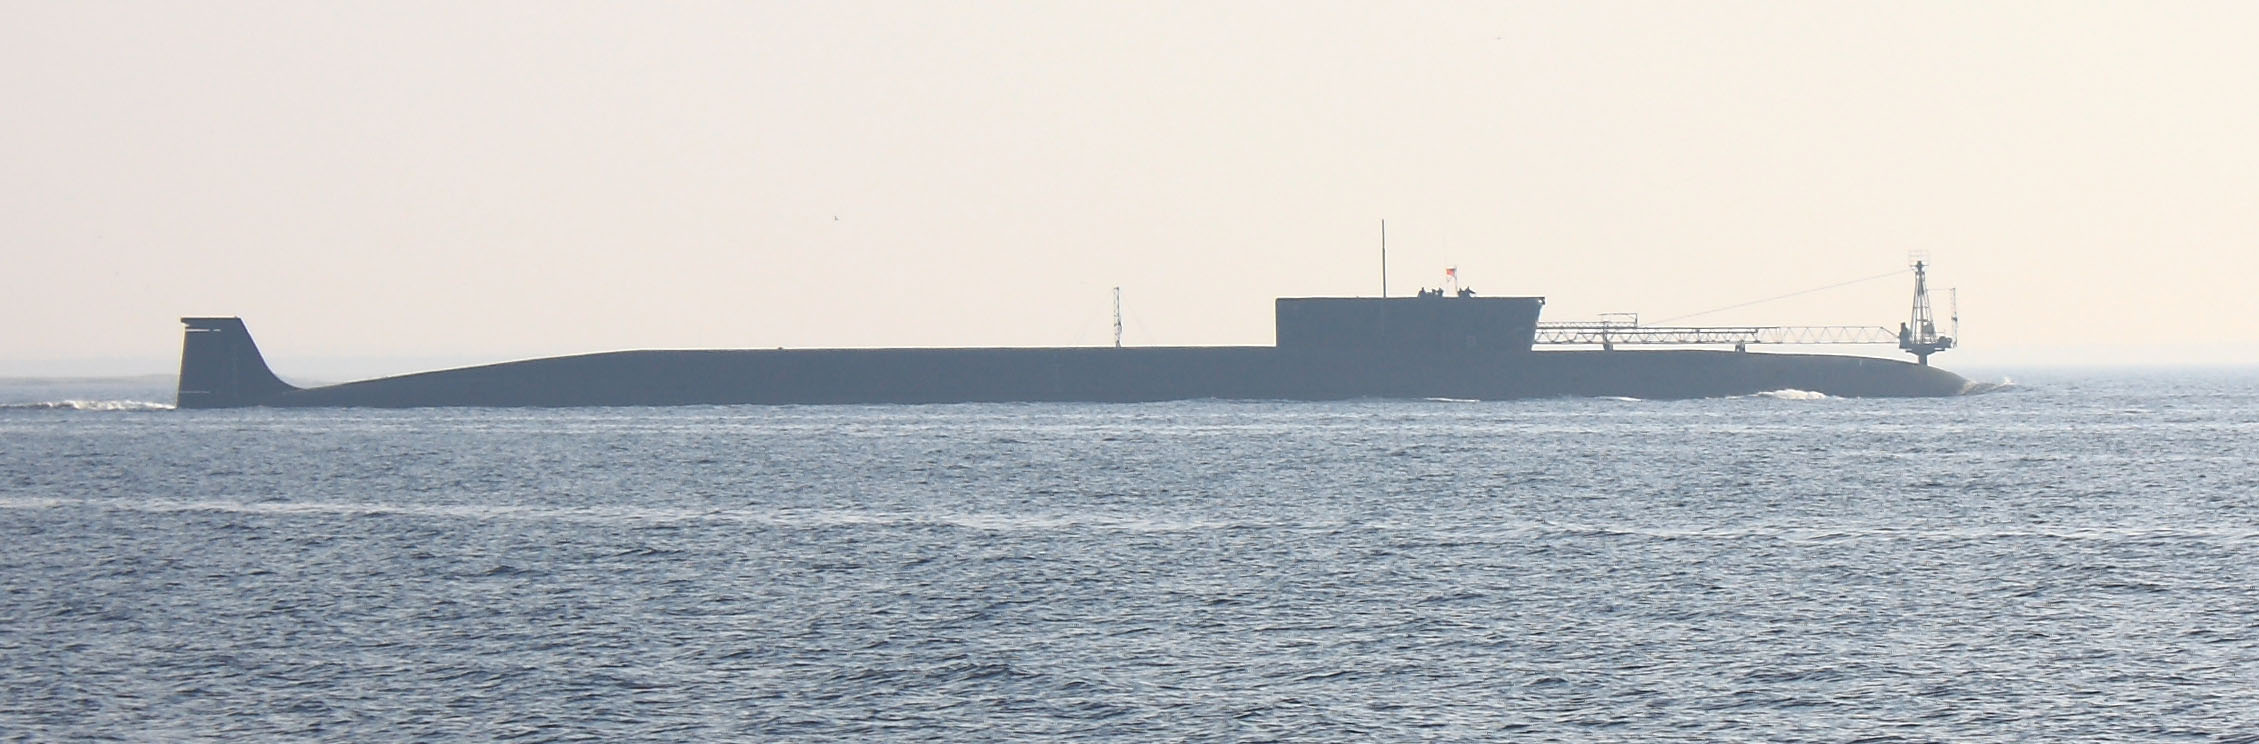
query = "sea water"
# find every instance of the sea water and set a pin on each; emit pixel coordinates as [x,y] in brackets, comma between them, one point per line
[2067,558]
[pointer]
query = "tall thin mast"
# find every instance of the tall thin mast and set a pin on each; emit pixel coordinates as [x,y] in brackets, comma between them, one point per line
[1117,317]
[1954,296]
[1384,259]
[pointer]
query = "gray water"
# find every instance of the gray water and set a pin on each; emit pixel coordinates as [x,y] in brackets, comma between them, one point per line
[2064,559]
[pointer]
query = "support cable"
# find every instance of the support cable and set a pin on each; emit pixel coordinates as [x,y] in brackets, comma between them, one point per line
[1891,273]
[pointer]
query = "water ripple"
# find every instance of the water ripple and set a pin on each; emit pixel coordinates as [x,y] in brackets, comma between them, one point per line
[1997,568]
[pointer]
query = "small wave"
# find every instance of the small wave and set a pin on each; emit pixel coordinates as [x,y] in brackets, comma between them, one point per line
[89,405]
[1621,399]
[1451,400]
[1788,394]
[1975,387]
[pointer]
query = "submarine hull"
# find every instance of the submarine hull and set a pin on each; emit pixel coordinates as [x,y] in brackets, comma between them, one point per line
[1329,349]
[843,376]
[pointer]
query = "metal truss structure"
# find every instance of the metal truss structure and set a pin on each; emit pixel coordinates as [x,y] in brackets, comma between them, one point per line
[1609,334]
[1918,336]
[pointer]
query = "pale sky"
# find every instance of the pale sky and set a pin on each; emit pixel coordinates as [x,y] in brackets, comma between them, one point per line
[397,182]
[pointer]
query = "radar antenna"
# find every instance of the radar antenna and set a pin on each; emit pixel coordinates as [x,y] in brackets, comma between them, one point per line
[1918,335]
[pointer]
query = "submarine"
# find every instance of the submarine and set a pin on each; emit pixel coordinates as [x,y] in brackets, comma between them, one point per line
[1439,344]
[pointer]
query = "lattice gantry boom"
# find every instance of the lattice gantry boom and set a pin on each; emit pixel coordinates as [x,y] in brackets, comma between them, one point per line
[1918,336]
[1608,335]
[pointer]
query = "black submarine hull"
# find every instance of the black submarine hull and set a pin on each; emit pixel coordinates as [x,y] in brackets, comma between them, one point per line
[221,368]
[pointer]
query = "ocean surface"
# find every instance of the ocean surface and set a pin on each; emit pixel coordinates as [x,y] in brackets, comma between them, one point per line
[2070,557]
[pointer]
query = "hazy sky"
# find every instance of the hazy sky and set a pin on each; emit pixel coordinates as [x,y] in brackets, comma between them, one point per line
[487,181]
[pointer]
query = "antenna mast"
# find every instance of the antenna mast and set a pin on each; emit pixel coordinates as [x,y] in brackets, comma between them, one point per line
[1918,335]
[1953,296]
[1384,259]
[1117,317]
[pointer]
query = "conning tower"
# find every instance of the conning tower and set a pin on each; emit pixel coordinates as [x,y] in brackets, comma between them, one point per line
[1431,323]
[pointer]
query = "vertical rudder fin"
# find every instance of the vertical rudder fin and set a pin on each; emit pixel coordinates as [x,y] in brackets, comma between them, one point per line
[221,368]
